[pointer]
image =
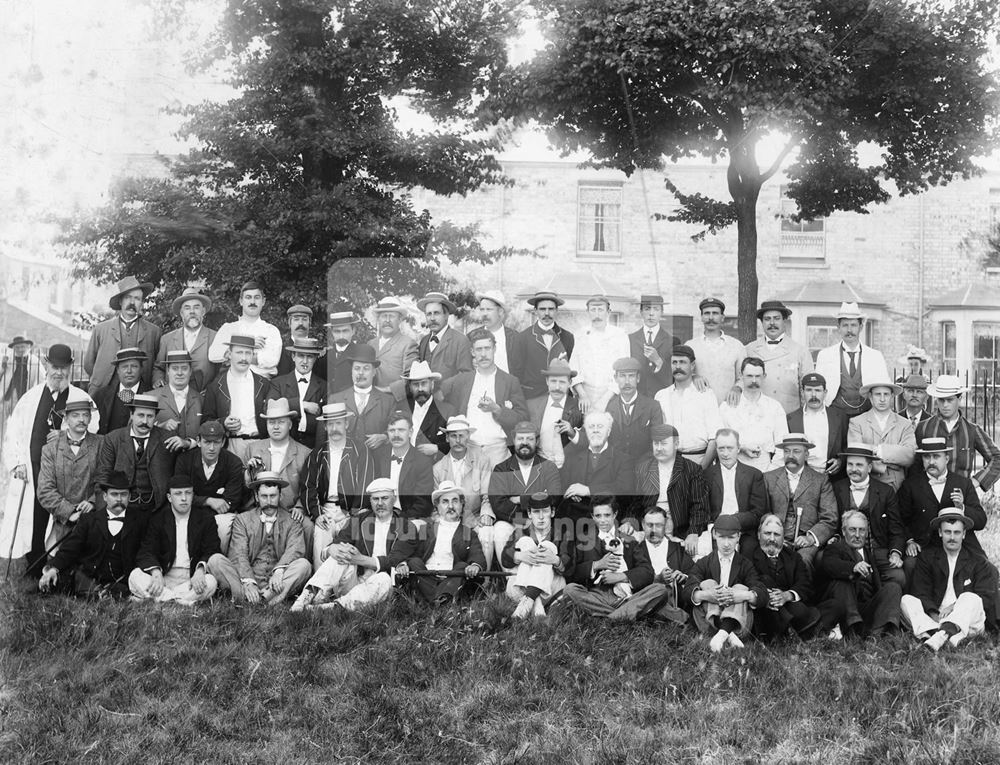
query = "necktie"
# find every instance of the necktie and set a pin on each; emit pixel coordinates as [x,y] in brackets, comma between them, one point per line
[627,409]
[140,447]
[773,562]
[649,337]
[303,381]
[126,396]
[852,368]
[916,420]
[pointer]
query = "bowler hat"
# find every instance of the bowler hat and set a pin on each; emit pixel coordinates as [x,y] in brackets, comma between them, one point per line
[125,286]
[773,305]
[18,340]
[180,481]
[650,300]
[364,354]
[60,355]
[117,480]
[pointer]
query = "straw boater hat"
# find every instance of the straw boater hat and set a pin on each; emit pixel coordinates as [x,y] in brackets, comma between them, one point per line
[913,352]
[858,450]
[850,311]
[420,370]
[143,401]
[436,297]
[190,293]
[795,439]
[269,477]
[129,354]
[535,299]
[84,405]
[494,296]
[178,357]
[335,411]
[947,514]
[458,424]
[241,341]
[342,319]
[446,487]
[309,345]
[946,386]
[126,285]
[389,305]
[933,445]
[278,408]
[867,388]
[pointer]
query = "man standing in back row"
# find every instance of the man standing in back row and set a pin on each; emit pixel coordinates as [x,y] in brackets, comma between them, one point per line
[850,363]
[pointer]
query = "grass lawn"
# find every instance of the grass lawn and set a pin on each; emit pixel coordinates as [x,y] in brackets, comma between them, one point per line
[116,682]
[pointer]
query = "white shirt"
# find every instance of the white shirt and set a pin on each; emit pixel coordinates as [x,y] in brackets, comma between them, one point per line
[666,470]
[550,443]
[336,455]
[113,526]
[488,430]
[937,485]
[361,396]
[658,555]
[694,414]
[190,338]
[525,470]
[303,387]
[593,355]
[858,491]
[457,468]
[443,558]
[500,355]
[180,398]
[182,558]
[729,504]
[267,357]
[241,393]
[760,423]
[950,598]
[718,361]
[278,453]
[816,426]
[725,566]
[394,469]
[419,413]
[380,542]
[208,469]
[793,480]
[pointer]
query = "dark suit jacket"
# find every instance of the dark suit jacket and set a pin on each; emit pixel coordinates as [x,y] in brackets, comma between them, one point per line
[189,420]
[631,434]
[918,507]
[792,572]
[218,402]
[226,481]
[687,494]
[885,526]
[114,414]
[507,390]
[89,543]
[118,454]
[651,382]
[813,494]
[287,366]
[338,368]
[838,563]
[742,572]
[591,548]
[930,577]
[416,480]
[452,355]
[106,341]
[751,495]
[531,357]
[400,544]
[432,428]
[571,413]
[357,470]
[203,371]
[465,547]
[609,472]
[375,418]
[287,386]
[506,481]
[837,441]
[159,546]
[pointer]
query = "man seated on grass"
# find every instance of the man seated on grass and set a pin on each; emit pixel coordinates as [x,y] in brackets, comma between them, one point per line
[870,605]
[101,549]
[541,557]
[267,554]
[359,569]
[173,561]
[446,544]
[611,570]
[723,587]
[945,603]
[671,565]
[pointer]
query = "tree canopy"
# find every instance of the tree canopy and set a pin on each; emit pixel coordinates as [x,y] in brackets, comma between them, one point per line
[637,81]
[307,166]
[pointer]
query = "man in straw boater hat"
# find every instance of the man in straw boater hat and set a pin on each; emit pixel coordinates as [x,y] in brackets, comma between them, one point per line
[359,566]
[963,437]
[100,552]
[334,478]
[127,329]
[877,501]
[180,403]
[238,396]
[923,495]
[540,344]
[139,451]
[849,364]
[890,434]
[340,345]
[265,337]
[946,602]
[112,399]
[395,350]
[266,562]
[430,414]
[651,345]
[192,336]
[299,319]
[280,453]
[17,383]
[66,486]
[466,467]
[802,498]
[493,312]
[38,413]
[787,361]
[446,349]
[303,387]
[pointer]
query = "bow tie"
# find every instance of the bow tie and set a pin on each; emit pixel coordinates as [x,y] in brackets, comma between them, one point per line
[303,380]
[398,460]
[126,396]
[75,443]
[116,518]
[548,332]
[859,486]
[937,481]
[773,342]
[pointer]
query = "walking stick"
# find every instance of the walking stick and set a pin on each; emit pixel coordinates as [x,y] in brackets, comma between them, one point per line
[452,573]
[798,522]
[17,521]
[48,552]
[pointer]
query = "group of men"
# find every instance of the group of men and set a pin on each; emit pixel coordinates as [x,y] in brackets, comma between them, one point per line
[743,488]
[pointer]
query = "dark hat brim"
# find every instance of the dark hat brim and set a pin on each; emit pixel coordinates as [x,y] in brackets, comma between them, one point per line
[116,300]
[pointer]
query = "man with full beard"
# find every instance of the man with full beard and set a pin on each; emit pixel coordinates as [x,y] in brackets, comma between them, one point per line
[429,415]
[192,336]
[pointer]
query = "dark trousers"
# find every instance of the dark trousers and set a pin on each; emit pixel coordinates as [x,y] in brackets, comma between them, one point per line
[867,611]
[36,556]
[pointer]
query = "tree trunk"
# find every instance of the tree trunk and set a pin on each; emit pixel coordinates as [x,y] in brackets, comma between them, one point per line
[746,265]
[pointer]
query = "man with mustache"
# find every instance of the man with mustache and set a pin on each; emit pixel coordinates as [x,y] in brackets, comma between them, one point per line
[38,414]
[429,413]
[447,350]
[342,349]
[651,345]
[719,356]
[410,472]
[265,336]
[299,324]
[877,501]
[303,387]
[395,350]
[370,406]
[540,344]
[823,425]
[633,415]
[595,467]
[758,419]
[557,415]
[127,329]
[180,403]
[111,400]
[493,311]
[734,489]
[101,549]
[849,364]
[787,361]
[802,498]
[597,349]
[695,413]
[237,397]
[192,336]
[915,400]
[890,434]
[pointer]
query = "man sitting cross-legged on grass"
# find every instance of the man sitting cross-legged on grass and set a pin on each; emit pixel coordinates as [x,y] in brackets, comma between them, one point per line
[446,544]
[541,556]
[173,561]
[360,562]
[266,561]
[723,587]
[611,571]
[950,585]
[671,565]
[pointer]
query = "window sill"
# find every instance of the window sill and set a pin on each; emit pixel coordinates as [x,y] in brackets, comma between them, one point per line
[600,257]
[807,263]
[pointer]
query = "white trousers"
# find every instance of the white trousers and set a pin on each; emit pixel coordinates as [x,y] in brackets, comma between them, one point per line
[176,586]
[502,532]
[544,577]
[336,519]
[341,580]
[224,523]
[967,614]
